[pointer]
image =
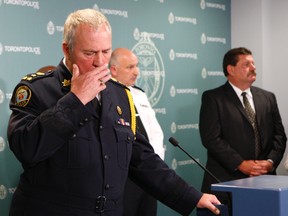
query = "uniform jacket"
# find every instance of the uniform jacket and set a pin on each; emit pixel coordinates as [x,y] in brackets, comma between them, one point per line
[228,136]
[75,158]
[148,118]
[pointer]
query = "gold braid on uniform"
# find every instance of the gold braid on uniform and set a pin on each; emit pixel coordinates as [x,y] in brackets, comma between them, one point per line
[132,110]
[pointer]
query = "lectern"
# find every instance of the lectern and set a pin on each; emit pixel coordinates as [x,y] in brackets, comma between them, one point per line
[265,195]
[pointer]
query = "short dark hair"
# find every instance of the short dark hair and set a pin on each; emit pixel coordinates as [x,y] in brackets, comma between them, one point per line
[231,57]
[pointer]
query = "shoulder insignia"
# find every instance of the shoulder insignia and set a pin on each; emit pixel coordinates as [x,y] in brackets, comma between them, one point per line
[33,76]
[22,96]
[118,83]
[66,82]
[136,87]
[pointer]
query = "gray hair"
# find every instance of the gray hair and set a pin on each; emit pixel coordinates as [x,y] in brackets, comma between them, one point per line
[88,16]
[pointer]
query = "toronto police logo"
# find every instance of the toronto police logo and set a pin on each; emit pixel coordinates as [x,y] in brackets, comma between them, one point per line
[136,34]
[2,144]
[172,55]
[202,4]
[3,192]
[1,48]
[171,18]
[204,73]
[174,164]
[2,97]
[50,28]
[152,74]
[173,91]
[23,95]
[203,39]
[95,7]
[173,127]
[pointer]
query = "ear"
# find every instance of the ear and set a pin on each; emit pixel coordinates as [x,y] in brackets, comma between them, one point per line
[67,54]
[113,70]
[230,69]
[66,50]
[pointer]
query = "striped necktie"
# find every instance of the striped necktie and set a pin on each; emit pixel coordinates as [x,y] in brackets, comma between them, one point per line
[252,119]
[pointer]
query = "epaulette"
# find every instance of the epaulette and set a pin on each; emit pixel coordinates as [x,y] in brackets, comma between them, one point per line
[34,76]
[118,83]
[134,86]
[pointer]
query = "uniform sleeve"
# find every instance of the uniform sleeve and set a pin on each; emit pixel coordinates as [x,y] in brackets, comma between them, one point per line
[154,176]
[35,132]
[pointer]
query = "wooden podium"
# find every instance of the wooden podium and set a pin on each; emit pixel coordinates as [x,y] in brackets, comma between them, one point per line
[265,195]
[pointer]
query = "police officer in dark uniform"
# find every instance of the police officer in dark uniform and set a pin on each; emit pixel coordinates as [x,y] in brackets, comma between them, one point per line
[76,137]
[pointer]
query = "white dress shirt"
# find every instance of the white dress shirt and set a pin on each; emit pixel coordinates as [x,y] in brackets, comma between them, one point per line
[150,123]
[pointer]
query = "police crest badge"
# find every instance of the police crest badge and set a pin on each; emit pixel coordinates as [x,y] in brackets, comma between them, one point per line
[22,96]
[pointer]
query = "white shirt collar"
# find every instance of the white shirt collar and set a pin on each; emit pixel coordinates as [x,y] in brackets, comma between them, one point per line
[239,91]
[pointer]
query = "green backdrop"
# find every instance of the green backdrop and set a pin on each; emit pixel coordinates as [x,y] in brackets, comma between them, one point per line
[180,45]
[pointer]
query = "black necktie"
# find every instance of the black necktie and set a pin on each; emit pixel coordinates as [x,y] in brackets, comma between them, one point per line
[252,118]
[140,125]
[96,105]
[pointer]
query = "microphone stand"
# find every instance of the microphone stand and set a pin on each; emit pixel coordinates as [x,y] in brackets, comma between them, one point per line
[175,143]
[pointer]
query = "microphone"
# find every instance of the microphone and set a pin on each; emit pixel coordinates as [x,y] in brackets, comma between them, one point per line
[204,212]
[175,143]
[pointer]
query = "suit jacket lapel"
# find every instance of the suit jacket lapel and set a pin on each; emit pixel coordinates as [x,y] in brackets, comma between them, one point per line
[257,104]
[232,96]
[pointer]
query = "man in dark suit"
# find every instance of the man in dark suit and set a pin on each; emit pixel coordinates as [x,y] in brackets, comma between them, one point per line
[227,132]
[74,131]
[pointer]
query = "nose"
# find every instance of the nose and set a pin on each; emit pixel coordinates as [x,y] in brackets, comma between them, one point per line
[99,60]
[136,71]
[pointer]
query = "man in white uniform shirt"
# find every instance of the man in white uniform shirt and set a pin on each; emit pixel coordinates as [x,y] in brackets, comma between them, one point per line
[124,68]
[148,118]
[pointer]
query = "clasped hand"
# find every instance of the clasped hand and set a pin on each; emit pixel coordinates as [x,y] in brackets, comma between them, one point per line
[255,167]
